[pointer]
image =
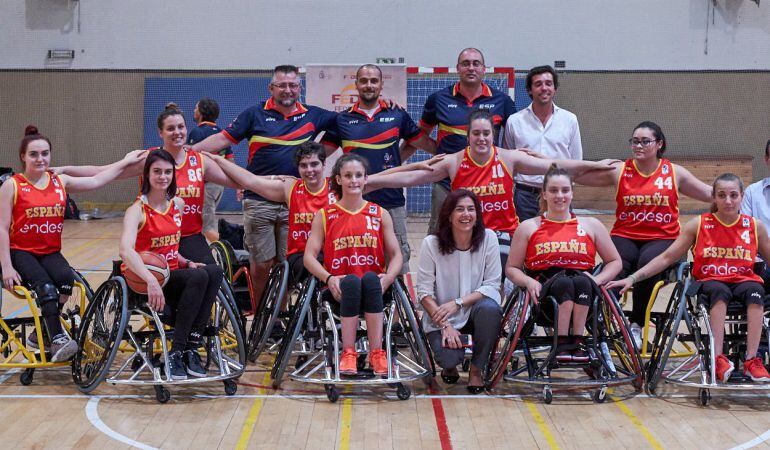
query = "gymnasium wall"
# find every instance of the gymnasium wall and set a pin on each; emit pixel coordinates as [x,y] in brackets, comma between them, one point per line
[251,34]
[94,117]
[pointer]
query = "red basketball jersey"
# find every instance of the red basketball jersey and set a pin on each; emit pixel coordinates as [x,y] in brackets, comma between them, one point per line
[564,245]
[303,205]
[190,187]
[647,205]
[725,252]
[38,216]
[353,242]
[493,184]
[160,232]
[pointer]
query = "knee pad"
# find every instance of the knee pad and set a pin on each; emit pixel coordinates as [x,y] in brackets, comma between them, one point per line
[47,298]
[371,293]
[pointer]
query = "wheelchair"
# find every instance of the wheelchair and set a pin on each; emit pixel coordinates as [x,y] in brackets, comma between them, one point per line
[613,358]
[313,336]
[687,325]
[123,341]
[15,349]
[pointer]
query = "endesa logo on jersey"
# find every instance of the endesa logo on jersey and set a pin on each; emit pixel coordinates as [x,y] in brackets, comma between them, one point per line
[355,260]
[41,228]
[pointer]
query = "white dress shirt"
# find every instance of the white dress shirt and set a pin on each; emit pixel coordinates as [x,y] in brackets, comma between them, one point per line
[756,201]
[447,277]
[559,138]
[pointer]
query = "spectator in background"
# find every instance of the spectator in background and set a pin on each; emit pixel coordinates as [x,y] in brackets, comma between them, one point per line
[756,203]
[544,128]
[205,115]
[449,109]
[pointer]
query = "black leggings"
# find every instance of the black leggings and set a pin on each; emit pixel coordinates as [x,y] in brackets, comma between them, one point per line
[635,255]
[359,295]
[48,276]
[570,286]
[195,248]
[190,309]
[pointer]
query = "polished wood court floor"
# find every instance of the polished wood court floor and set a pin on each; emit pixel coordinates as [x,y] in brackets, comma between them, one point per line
[51,413]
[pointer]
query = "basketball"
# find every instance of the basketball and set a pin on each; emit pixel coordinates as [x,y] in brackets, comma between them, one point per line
[156,264]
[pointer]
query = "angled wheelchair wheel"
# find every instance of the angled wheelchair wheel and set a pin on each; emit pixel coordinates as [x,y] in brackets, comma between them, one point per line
[412,329]
[100,334]
[224,255]
[513,323]
[621,341]
[664,343]
[224,338]
[270,306]
[293,331]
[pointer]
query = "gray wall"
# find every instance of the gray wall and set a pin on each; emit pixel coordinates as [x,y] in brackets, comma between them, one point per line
[249,34]
[95,117]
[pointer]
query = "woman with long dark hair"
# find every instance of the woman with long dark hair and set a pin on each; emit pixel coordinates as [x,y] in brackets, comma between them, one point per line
[458,286]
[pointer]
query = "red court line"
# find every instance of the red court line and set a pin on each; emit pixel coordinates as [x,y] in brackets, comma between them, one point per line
[443,430]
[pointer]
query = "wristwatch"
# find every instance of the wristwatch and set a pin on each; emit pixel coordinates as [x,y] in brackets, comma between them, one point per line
[459,302]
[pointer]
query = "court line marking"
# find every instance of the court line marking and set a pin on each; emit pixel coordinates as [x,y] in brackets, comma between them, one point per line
[92,413]
[541,424]
[251,419]
[639,425]
[345,423]
[4,377]
[754,442]
[444,436]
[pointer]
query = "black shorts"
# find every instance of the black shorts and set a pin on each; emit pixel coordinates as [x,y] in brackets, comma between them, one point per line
[570,286]
[195,248]
[36,270]
[747,292]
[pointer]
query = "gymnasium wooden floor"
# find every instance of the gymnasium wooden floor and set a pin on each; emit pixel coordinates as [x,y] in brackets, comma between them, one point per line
[51,413]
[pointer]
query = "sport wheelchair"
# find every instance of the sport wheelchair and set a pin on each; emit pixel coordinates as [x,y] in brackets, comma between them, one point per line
[313,335]
[17,353]
[123,341]
[613,358]
[686,309]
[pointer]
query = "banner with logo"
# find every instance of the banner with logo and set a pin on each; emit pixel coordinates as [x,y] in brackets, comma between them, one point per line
[333,86]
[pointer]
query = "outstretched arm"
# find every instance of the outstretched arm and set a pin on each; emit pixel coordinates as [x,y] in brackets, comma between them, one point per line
[522,162]
[131,170]
[272,189]
[600,177]
[213,143]
[112,171]
[691,186]
[406,177]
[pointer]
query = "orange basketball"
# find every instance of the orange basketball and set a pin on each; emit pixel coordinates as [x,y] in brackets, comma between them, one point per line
[156,264]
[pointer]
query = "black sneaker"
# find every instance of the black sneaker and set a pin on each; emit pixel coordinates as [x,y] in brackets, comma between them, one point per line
[176,366]
[193,362]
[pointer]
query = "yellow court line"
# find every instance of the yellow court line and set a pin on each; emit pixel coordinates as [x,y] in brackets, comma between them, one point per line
[639,425]
[542,425]
[251,419]
[347,419]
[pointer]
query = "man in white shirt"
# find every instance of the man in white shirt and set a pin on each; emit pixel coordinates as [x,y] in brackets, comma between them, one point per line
[756,201]
[544,128]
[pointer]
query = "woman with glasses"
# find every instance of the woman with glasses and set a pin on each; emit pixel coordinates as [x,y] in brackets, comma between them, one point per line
[647,213]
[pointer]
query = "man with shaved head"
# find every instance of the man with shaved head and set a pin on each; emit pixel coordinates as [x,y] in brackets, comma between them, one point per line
[371,129]
[449,108]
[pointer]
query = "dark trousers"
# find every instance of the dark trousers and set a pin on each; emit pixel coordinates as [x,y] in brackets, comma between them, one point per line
[527,203]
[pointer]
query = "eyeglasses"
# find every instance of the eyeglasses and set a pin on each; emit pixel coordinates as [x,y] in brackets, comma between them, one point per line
[467,64]
[292,86]
[642,142]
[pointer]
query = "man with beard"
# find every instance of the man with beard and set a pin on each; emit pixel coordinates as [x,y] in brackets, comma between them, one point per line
[545,128]
[274,130]
[374,131]
[449,109]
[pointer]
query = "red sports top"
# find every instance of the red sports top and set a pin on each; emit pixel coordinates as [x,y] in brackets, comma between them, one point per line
[160,232]
[303,205]
[38,216]
[564,245]
[725,252]
[353,241]
[190,187]
[493,184]
[647,205]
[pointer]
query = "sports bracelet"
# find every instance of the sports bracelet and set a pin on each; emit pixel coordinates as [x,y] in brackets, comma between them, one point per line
[633,278]
[327,279]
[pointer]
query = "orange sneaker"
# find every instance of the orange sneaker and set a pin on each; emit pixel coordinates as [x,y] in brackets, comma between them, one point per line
[379,361]
[755,369]
[349,362]
[724,368]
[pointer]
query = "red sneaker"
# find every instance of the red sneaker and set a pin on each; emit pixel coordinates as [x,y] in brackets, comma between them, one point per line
[378,360]
[349,362]
[755,369]
[724,367]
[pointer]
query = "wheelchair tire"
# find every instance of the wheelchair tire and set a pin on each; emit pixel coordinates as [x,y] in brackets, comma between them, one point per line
[110,298]
[292,332]
[228,326]
[224,255]
[270,306]
[664,341]
[624,346]
[418,341]
[510,331]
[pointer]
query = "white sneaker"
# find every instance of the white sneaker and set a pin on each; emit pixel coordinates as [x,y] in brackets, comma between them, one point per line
[636,334]
[63,348]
